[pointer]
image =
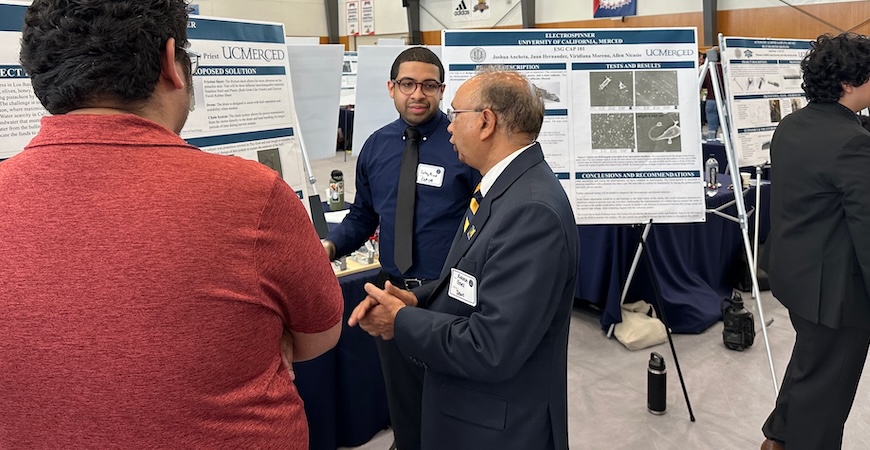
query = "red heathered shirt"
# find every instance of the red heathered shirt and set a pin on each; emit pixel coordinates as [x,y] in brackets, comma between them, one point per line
[145,285]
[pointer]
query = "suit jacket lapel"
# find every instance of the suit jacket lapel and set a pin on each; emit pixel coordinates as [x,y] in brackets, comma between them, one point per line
[462,241]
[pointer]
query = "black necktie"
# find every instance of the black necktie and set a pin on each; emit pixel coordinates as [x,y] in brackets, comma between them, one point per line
[404,251]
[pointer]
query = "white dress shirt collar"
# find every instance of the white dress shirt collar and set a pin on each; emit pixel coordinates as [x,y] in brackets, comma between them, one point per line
[493,174]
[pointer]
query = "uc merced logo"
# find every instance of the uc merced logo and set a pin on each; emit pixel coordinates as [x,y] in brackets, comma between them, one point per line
[477,54]
[746,53]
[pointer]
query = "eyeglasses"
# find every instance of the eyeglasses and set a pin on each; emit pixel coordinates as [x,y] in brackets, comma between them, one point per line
[451,113]
[194,59]
[408,86]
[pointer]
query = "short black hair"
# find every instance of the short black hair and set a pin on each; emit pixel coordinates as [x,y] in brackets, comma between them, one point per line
[418,54]
[78,52]
[832,61]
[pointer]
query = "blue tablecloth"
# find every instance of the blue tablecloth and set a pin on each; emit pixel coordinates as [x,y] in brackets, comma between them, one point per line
[343,389]
[692,262]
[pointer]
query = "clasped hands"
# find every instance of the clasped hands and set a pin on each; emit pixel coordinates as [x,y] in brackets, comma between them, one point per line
[376,314]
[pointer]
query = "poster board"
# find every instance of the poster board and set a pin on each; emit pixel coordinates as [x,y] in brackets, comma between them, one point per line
[315,71]
[348,79]
[374,107]
[763,85]
[243,103]
[622,127]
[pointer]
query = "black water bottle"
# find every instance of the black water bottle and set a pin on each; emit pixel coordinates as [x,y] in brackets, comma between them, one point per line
[657,385]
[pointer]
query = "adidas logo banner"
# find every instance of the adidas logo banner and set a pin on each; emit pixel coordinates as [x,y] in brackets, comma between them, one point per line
[468,10]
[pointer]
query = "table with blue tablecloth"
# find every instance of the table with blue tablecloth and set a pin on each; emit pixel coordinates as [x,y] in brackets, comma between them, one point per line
[692,262]
[343,389]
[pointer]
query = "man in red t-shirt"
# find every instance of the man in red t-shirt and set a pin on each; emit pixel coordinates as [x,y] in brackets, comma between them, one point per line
[148,288]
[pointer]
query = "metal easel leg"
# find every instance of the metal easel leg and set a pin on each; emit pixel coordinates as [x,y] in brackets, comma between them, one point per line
[757,216]
[661,311]
[631,272]
[741,209]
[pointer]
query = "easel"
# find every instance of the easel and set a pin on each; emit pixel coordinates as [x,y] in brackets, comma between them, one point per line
[318,217]
[346,135]
[734,171]
[741,219]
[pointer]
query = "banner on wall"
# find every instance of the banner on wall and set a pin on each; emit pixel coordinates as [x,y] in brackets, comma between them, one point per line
[367,17]
[351,17]
[614,8]
[470,10]
[622,125]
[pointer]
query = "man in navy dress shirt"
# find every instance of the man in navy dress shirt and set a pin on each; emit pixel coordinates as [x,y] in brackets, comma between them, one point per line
[416,87]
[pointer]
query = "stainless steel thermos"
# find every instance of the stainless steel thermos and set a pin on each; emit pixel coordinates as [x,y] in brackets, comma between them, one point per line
[336,190]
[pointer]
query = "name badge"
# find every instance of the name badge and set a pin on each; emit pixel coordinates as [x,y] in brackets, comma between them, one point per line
[463,287]
[429,175]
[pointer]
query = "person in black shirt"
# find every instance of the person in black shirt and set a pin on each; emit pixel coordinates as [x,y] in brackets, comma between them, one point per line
[819,244]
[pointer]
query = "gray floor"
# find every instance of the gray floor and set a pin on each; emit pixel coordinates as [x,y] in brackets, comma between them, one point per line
[731,392]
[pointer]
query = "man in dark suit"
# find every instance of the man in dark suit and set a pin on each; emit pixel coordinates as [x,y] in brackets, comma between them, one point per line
[819,244]
[494,338]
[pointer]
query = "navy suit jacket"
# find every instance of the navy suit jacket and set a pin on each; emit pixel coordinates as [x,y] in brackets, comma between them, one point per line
[496,372]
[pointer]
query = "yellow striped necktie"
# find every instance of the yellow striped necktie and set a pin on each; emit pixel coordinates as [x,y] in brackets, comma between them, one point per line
[472,207]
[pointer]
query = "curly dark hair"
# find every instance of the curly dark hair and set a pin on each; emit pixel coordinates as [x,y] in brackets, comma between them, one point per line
[79,52]
[418,54]
[833,60]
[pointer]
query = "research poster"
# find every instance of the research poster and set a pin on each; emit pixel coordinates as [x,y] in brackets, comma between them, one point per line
[20,110]
[242,99]
[348,79]
[763,85]
[622,127]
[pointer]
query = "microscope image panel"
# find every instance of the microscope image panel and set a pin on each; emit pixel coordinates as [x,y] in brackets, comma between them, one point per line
[658,132]
[657,88]
[611,89]
[272,159]
[550,92]
[613,131]
[775,110]
[796,104]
